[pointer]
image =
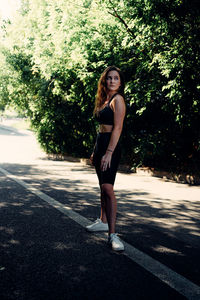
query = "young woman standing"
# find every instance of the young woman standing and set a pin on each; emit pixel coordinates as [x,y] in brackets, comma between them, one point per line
[110,112]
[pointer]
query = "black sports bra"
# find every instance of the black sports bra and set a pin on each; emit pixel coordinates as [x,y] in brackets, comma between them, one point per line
[106,115]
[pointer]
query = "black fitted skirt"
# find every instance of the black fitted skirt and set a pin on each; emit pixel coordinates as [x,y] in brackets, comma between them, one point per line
[101,146]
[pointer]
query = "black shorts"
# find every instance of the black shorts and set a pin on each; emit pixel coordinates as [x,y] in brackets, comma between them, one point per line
[101,146]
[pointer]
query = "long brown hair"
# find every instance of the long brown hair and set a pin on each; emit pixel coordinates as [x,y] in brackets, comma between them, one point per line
[101,95]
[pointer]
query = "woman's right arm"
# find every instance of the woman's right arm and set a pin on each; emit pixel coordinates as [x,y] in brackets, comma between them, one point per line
[92,155]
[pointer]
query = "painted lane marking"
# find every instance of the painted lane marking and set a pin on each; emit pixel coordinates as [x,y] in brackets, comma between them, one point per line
[176,281]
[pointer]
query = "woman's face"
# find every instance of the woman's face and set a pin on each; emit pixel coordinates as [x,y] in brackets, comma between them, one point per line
[113,81]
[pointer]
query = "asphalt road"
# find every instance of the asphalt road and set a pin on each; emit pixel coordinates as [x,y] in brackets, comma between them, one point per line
[46,253]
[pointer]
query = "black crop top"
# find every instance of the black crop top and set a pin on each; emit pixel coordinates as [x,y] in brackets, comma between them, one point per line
[106,115]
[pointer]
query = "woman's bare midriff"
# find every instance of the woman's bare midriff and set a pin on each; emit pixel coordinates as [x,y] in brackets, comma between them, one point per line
[105,128]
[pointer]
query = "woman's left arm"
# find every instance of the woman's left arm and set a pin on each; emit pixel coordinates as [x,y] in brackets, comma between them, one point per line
[119,109]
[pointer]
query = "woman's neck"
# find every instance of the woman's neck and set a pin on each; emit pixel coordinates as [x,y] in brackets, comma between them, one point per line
[110,94]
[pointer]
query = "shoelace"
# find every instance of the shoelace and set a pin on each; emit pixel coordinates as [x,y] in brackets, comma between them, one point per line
[115,237]
[97,221]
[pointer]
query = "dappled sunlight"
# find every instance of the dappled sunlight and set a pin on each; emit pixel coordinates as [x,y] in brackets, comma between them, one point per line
[167,250]
[6,204]
[10,243]
[165,206]
[7,230]
[61,246]
[16,204]
[14,242]
[195,233]
[77,186]
[171,215]
[26,212]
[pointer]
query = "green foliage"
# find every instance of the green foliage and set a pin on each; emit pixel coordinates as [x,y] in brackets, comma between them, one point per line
[163,81]
[53,53]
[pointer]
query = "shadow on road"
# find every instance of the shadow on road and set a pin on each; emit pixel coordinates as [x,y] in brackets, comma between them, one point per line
[45,255]
[156,226]
[10,131]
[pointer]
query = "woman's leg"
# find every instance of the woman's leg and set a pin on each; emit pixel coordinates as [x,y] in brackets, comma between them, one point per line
[103,208]
[110,205]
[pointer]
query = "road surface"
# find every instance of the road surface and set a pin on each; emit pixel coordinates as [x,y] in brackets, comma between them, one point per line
[47,254]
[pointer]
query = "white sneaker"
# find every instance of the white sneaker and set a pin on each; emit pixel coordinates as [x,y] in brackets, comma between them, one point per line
[115,241]
[98,225]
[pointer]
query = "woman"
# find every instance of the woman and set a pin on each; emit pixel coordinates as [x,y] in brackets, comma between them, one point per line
[110,112]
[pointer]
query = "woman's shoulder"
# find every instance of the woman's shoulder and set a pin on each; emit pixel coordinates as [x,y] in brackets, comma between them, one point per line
[119,96]
[118,103]
[117,99]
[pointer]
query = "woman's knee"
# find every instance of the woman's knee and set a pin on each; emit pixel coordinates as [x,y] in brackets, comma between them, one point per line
[107,189]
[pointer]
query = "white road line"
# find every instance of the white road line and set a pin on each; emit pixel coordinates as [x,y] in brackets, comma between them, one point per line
[182,285]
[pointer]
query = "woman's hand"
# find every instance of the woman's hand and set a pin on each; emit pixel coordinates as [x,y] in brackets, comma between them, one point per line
[91,158]
[106,161]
